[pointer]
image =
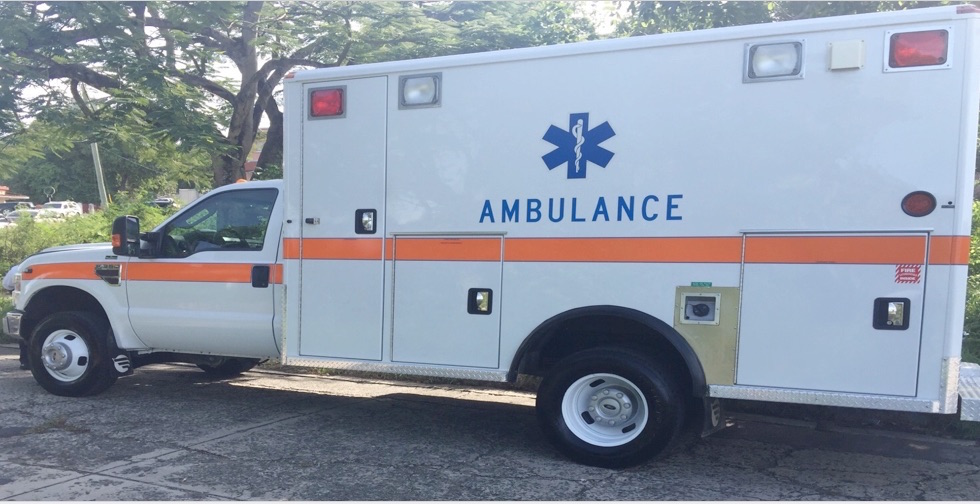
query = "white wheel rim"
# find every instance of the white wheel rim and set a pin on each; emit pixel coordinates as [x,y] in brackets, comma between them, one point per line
[65,355]
[604,409]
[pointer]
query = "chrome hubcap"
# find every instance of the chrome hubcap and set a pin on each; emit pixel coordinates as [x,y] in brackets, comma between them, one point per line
[604,409]
[57,356]
[65,355]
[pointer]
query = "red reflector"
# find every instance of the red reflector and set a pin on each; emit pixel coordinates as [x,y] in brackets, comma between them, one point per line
[327,102]
[912,49]
[919,204]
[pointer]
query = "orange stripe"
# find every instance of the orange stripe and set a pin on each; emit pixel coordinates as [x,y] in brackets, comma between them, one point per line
[944,250]
[189,272]
[949,250]
[333,248]
[290,248]
[835,249]
[447,249]
[175,272]
[680,250]
[65,271]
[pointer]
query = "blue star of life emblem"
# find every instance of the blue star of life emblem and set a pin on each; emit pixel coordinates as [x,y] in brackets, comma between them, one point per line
[578,146]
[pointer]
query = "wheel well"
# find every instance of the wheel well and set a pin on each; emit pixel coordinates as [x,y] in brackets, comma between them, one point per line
[57,299]
[609,326]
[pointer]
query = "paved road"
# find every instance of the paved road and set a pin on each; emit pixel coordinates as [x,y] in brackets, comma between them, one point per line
[168,433]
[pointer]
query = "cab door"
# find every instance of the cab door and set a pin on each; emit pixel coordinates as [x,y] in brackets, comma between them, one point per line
[210,290]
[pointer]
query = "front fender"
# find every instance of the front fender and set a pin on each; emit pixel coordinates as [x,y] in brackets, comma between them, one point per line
[53,287]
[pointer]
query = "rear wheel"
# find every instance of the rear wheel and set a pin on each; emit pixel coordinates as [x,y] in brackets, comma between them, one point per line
[68,355]
[609,407]
[228,367]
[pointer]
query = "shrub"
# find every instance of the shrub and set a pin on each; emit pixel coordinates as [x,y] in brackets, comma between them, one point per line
[27,237]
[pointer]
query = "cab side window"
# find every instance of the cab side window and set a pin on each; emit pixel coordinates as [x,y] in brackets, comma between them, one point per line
[235,220]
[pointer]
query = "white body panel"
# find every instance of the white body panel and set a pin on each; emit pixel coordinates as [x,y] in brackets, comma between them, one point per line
[428,291]
[204,303]
[218,318]
[344,170]
[807,327]
[700,163]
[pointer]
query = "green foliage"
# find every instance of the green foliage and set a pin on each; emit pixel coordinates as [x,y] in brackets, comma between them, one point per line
[971,326]
[6,304]
[55,151]
[158,71]
[662,17]
[398,31]
[28,236]
[267,173]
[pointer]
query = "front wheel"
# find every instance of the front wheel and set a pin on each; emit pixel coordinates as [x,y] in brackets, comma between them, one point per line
[68,355]
[609,407]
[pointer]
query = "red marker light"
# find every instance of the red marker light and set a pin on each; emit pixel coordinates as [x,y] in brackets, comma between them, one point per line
[924,48]
[918,204]
[327,102]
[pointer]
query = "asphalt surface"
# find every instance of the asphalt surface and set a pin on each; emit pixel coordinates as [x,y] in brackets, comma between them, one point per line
[168,433]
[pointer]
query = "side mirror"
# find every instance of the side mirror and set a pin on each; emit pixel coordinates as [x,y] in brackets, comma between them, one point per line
[126,236]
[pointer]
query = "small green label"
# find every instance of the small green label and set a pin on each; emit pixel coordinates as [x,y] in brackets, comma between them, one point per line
[700,284]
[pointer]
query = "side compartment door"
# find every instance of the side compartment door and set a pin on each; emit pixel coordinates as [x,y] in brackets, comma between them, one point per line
[342,246]
[447,299]
[210,291]
[832,312]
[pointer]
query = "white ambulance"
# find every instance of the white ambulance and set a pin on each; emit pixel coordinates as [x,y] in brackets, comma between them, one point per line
[777,212]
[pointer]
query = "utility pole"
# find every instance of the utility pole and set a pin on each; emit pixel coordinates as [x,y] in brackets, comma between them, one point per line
[98,175]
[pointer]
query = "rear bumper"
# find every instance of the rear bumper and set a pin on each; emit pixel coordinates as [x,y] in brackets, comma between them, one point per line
[11,324]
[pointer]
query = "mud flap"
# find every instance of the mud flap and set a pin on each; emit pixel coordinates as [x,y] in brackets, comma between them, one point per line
[122,364]
[714,419]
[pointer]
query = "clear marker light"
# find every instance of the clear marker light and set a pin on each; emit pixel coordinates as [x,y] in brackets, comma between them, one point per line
[420,90]
[775,60]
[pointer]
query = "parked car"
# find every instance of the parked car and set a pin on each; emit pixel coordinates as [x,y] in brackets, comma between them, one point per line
[56,209]
[164,202]
[12,218]
[10,206]
[21,214]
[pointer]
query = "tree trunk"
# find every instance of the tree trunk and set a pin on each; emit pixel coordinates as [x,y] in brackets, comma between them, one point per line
[227,168]
[230,166]
[271,154]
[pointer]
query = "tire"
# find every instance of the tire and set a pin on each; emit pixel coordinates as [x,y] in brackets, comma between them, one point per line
[610,407]
[228,367]
[68,354]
